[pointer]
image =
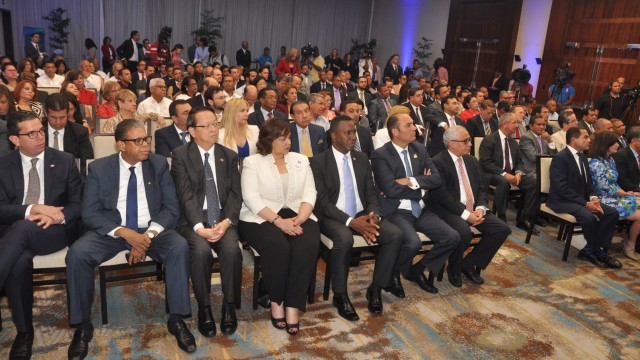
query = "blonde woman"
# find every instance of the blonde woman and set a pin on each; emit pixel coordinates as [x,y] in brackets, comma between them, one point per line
[235,133]
[127,106]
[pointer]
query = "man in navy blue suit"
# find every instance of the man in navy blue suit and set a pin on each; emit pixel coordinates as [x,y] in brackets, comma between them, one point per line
[130,203]
[176,134]
[572,191]
[306,138]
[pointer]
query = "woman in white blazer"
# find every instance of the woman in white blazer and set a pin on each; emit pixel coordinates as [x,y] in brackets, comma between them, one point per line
[236,134]
[276,219]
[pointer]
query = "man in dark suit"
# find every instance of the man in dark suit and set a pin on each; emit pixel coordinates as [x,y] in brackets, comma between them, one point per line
[210,211]
[62,134]
[338,94]
[392,70]
[571,191]
[620,129]
[484,123]
[130,51]
[381,106]
[441,121]
[502,165]
[345,208]
[588,121]
[361,93]
[364,142]
[404,174]
[130,204]
[306,138]
[462,209]
[322,84]
[243,55]
[40,194]
[170,137]
[265,108]
[200,100]
[440,92]
[498,83]
[628,162]
[33,51]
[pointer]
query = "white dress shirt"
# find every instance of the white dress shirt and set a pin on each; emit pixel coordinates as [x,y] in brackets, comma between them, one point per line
[187,138]
[51,131]
[405,204]
[340,204]
[321,121]
[45,81]
[150,105]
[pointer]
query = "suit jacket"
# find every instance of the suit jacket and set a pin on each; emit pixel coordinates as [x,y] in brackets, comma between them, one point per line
[583,124]
[62,187]
[435,107]
[530,149]
[187,169]
[475,127]
[262,185]
[378,112]
[167,139]
[390,73]
[243,58]
[75,141]
[568,191]
[125,51]
[99,207]
[435,144]
[343,96]
[502,84]
[327,180]
[317,136]
[256,118]
[31,52]
[447,196]
[364,137]
[628,170]
[4,138]
[492,156]
[367,97]
[424,112]
[316,87]
[559,139]
[196,101]
[389,166]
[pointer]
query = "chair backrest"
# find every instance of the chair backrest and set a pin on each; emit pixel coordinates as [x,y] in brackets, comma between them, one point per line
[99,125]
[49,90]
[103,145]
[542,170]
[476,146]
[153,126]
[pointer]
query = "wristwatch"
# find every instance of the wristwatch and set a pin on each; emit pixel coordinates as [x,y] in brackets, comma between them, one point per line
[150,234]
[230,222]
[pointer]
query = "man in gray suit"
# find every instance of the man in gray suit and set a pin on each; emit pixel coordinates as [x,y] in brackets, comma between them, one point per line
[441,92]
[210,209]
[380,107]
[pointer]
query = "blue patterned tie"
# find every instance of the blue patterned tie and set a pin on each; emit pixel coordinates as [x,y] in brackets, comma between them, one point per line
[415,204]
[213,203]
[132,203]
[183,137]
[349,189]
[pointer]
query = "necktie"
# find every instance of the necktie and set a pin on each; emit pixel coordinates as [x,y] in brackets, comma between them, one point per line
[306,147]
[33,188]
[357,147]
[419,113]
[452,121]
[322,85]
[142,76]
[269,115]
[56,145]
[467,187]
[387,105]
[37,48]
[336,98]
[542,149]
[364,111]
[507,156]
[213,203]
[415,205]
[487,128]
[517,133]
[132,203]
[349,189]
[183,137]
[583,171]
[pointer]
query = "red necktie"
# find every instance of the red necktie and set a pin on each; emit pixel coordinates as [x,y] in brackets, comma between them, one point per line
[517,133]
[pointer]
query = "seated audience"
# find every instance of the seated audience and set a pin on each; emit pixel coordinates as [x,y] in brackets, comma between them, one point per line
[25,96]
[316,109]
[288,96]
[627,161]
[328,100]
[236,134]
[382,135]
[50,79]
[78,113]
[380,107]
[280,227]
[188,90]
[170,137]
[566,120]
[9,76]
[64,134]
[470,104]
[306,138]
[85,97]
[109,106]
[265,108]
[127,110]
[157,102]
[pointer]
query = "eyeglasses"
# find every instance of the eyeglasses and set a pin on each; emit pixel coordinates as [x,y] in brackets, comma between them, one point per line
[160,87]
[466,141]
[139,141]
[33,134]
[209,126]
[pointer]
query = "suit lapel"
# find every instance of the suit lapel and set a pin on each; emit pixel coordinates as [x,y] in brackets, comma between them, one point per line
[357,170]
[221,172]
[148,183]
[198,170]
[454,172]
[413,158]
[114,165]
[49,176]
[332,173]
[17,175]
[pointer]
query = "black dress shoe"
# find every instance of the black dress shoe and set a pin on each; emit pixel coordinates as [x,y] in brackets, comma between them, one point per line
[540,222]
[228,320]
[396,287]
[417,276]
[583,255]
[525,225]
[473,276]
[611,262]
[22,345]
[79,347]
[185,338]
[206,324]
[455,280]
[345,308]
[263,295]
[375,300]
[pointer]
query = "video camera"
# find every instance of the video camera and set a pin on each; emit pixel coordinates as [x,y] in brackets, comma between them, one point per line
[521,75]
[307,52]
[562,75]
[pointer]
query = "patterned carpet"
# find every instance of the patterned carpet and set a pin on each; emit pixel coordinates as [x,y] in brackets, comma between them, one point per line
[532,306]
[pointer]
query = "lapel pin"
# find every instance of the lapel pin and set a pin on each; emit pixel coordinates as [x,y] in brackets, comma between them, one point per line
[149,183]
[415,156]
[221,160]
[52,165]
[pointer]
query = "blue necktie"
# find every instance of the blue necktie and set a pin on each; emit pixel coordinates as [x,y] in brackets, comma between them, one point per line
[183,136]
[415,204]
[349,189]
[132,203]
[213,203]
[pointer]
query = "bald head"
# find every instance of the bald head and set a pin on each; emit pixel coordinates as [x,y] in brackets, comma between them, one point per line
[250,94]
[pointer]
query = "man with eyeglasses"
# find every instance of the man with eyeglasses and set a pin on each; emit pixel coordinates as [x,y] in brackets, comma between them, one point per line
[130,203]
[460,202]
[216,99]
[40,195]
[566,119]
[157,102]
[208,183]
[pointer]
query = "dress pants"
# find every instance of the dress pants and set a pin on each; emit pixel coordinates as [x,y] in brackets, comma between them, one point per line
[389,241]
[494,233]
[446,240]
[501,194]
[20,243]
[92,249]
[201,261]
[597,228]
[288,262]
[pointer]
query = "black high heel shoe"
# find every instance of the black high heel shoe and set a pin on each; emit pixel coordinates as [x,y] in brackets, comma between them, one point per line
[275,322]
[293,329]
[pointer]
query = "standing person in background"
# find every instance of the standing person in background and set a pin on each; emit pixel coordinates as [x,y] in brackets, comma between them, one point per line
[90,50]
[289,64]
[439,72]
[243,55]
[108,55]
